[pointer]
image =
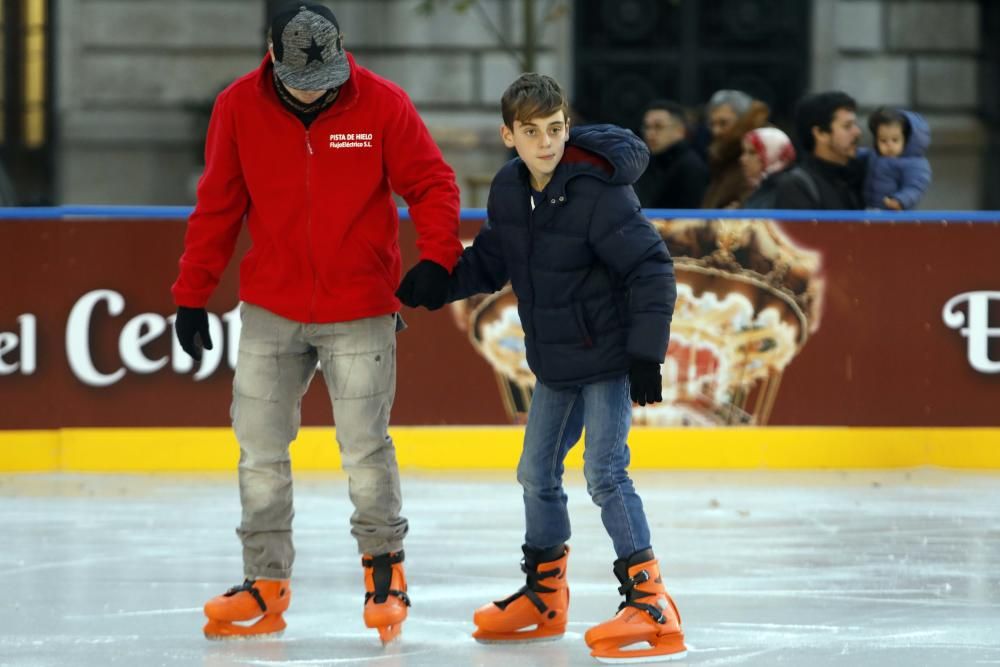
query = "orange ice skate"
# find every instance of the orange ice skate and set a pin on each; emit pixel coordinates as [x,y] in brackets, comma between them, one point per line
[647,627]
[538,610]
[385,594]
[264,600]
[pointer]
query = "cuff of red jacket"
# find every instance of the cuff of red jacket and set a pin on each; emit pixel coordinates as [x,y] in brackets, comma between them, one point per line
[188,298]
[447,260]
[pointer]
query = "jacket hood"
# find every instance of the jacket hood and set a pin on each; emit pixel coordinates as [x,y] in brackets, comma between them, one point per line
[621,155]
[920,135]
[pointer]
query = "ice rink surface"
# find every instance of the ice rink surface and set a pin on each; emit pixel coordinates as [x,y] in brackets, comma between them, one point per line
[805,569]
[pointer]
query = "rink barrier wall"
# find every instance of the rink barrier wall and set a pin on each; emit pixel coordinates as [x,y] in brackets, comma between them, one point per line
[83,212]
[498,448]
[161,449]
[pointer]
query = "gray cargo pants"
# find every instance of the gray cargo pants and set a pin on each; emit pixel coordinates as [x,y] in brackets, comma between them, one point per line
[277,360]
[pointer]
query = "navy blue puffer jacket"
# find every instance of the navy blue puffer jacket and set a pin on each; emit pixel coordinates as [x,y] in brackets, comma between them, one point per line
[594,281]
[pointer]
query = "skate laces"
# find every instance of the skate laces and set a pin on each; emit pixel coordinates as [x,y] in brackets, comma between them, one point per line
[381,567]
[532,587]
[247,587]
[632,595]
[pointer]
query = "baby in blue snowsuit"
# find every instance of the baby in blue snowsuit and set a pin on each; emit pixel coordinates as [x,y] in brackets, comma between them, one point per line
[898,172]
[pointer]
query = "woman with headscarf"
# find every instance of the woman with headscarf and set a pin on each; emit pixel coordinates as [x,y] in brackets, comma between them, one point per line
[731,114]
[767,153]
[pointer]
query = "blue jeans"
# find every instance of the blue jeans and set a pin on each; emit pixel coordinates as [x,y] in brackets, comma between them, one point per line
[555,421]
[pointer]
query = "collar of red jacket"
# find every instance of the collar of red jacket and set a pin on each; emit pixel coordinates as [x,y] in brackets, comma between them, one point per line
[347,98]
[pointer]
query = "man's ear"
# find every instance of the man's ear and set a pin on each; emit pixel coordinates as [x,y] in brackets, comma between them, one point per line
[270,50]
[818,134]
[507,135]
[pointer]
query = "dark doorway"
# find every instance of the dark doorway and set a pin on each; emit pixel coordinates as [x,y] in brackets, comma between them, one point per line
[629,52]
[989,94]
[27,144]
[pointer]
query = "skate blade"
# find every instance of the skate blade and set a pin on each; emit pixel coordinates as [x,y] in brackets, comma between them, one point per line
[244,637]
[268,627]
[665,652]
[519,637]
[667,657]
[389,633]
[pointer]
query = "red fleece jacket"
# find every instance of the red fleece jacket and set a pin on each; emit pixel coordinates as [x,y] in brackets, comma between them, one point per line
[318,203]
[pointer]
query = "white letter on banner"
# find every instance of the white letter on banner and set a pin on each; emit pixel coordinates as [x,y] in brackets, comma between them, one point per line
[28,337]
[234,325]
[138,331]
[78,337]
[8,343]
[978,330]
[210,358]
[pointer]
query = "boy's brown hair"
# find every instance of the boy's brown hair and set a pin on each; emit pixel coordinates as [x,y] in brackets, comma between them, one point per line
[532,96]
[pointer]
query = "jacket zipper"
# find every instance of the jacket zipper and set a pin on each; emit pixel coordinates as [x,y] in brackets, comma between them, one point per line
[531,246]
[309,243]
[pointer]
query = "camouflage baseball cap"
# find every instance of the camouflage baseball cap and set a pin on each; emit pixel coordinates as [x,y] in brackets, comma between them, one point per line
[308,51]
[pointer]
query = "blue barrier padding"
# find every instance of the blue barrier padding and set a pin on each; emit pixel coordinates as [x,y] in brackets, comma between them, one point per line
[70,212]
[829,216]
[182,212]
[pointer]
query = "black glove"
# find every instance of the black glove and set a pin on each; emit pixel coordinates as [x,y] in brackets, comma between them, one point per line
[426,284]
[646,385]
[191,321]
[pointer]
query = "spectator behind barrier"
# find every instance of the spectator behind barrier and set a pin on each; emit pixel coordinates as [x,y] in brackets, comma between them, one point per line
[731,114]
[767,155]
[898,172]
[829,174]
[676,177]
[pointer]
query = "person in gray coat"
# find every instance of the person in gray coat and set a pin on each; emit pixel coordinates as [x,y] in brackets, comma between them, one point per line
[898,172]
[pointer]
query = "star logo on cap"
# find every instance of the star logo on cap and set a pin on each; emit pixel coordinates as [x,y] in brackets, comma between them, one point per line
[314,52]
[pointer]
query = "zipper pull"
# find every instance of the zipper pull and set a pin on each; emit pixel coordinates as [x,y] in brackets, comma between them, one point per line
[309,147]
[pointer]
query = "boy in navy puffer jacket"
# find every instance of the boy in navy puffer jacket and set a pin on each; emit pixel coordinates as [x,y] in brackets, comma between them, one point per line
[898,172]
[596,289]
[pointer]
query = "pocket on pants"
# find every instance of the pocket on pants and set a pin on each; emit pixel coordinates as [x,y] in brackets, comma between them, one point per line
[363,374]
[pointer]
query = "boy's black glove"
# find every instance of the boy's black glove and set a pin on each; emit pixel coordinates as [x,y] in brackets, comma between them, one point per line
[646,385]
[426,284]
[191,321]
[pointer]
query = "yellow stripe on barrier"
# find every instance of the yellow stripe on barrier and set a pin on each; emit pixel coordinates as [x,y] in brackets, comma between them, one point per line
[22,451]
[467,448]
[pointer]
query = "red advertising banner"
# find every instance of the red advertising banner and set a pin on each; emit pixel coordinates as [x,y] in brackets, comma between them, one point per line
[778,323]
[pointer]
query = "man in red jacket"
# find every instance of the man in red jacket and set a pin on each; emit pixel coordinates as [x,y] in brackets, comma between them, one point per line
[306,151]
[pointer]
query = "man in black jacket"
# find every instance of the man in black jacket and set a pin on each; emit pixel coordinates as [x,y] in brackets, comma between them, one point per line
[676,176]
[829,176]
